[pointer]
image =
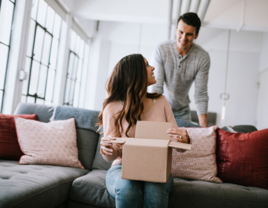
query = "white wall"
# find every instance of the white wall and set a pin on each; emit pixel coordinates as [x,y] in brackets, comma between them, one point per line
[113,41]
[264,53]
[242,79]
[262,115]
[244,61]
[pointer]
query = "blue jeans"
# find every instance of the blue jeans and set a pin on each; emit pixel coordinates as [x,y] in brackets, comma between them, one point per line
[183,115]
[137,194]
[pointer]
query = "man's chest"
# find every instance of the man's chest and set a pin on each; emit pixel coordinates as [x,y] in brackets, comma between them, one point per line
[181,68]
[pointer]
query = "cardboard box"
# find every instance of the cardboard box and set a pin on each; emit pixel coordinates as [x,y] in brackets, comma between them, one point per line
[147,157]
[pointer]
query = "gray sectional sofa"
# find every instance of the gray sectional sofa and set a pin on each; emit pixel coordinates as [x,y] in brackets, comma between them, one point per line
[38,186]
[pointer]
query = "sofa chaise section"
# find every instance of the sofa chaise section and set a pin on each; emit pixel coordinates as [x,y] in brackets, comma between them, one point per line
[24,186]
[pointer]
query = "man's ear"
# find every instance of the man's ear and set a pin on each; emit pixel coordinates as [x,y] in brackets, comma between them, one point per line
[196,35]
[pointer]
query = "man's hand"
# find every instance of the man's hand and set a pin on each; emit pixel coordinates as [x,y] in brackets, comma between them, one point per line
[203,120]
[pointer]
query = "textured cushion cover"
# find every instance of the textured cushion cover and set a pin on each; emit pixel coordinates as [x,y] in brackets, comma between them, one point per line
[243,158]
[91,189]
[200,161]
[9,146]
[41,186]
[51,143]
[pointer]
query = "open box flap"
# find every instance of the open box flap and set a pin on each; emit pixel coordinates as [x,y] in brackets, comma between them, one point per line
[119,140]
[152,130]
[147,142]
[180,145]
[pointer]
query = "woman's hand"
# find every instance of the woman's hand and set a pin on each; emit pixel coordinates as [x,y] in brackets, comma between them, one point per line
[179,134]
[106,146]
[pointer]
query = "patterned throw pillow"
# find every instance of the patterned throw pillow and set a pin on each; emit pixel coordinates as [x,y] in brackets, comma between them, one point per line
[51,143]
[199,162]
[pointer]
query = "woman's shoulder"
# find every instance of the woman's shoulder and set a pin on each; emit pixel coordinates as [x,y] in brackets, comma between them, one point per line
[112,108]
[161,99]
[162,102]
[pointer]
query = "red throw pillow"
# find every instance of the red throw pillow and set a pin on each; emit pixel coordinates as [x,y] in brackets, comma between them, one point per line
[243,158]
[9,146]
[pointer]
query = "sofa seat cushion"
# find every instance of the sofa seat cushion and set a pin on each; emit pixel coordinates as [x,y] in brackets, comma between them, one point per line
[195,193]
[91,189]
[35,185]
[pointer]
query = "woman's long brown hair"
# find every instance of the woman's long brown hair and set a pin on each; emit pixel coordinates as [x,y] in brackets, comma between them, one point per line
[128,84]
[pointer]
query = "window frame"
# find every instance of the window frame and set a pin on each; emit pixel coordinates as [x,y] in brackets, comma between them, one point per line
[32,59]
[8,53]
[74,79]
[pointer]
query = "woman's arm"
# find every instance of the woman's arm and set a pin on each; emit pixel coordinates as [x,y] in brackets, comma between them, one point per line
[177,134]
[108,150]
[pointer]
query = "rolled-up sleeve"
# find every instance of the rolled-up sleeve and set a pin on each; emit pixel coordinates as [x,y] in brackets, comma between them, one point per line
[156,61]
[201,86]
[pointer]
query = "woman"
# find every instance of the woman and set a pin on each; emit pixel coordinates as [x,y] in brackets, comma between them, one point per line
[127,102]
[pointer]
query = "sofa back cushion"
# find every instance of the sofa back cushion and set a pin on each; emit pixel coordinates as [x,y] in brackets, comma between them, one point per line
[87,141]
[99,163]
[9,146]
[243,157]
[43,112]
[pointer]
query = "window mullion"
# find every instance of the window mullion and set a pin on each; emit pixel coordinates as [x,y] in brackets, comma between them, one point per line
[31,64]
[48,67]
[66,81]
[75,79]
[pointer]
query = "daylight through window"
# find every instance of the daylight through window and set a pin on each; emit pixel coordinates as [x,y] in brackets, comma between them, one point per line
[42,54]
[7,8]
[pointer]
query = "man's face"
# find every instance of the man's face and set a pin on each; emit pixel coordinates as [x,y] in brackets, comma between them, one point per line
[185,35]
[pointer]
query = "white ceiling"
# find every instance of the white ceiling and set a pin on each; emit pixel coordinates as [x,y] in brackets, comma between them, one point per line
[230,14]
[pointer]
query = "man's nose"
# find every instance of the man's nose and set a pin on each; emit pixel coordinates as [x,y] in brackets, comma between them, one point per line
[183,36]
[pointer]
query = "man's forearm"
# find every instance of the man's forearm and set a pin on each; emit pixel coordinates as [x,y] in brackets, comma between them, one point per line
[203,120]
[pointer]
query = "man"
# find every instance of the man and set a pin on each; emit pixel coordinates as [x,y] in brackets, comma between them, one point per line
[180,62]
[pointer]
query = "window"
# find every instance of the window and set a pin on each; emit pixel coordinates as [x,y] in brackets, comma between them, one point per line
[7,8]
[42,53]
[75,87]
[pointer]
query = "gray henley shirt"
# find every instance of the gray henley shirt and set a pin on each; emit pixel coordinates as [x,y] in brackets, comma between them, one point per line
[176,74]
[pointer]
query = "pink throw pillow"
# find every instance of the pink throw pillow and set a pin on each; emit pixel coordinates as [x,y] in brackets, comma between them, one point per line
[199,162]
[51,143]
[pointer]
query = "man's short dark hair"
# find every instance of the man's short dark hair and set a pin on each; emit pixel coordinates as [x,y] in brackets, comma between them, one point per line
[192,19]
